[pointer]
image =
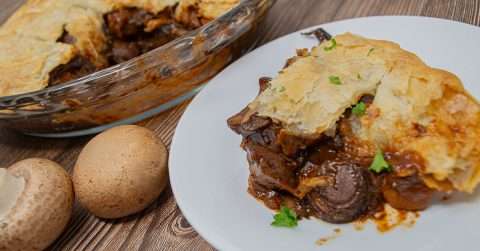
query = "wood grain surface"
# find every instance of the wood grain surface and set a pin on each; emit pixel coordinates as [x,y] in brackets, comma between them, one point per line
[162,226]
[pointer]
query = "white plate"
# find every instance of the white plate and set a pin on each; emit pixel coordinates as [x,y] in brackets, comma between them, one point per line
[208,170]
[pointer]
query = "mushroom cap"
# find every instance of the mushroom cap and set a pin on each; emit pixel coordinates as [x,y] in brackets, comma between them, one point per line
[120,172]
[348,195]
[42,209]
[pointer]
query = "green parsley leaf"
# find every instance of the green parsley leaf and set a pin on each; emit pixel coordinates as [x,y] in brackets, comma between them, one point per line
[370,51]
[332,46]
[358,76]
[359,109]
[379,164]
[285,218]
[335,80]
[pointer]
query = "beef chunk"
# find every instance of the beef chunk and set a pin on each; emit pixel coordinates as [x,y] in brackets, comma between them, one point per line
[271,170]
[76,68]
[127,22]
[134,31]
[408,193]
[157,38]
[272,198]
[123,51]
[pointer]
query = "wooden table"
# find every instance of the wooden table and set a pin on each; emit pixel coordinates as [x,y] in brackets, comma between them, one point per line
[162,226]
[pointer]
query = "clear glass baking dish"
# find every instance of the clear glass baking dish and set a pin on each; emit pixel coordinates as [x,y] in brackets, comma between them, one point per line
[139,88]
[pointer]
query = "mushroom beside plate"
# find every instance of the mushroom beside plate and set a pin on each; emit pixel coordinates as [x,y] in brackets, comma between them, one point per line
[36,202]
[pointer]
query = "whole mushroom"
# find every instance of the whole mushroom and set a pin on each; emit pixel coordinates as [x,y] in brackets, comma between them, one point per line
[120,172]
[36,201]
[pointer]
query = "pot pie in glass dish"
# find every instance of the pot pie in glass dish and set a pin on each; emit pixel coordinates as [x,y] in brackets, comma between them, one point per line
[71,67]
[355,123]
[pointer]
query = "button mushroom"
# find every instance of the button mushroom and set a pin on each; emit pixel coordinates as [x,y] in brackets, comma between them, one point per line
[36,200]
[347,195]
[120,172]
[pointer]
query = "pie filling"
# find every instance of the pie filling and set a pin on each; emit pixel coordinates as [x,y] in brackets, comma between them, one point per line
[130,32]
[325,177]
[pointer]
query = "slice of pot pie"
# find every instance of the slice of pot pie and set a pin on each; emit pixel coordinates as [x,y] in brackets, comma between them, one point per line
[356,122]
[47,42]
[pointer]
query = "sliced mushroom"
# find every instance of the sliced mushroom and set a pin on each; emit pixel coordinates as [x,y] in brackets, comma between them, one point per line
[320,34]
[247,123]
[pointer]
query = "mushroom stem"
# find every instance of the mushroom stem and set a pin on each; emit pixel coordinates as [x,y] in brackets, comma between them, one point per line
[11,188]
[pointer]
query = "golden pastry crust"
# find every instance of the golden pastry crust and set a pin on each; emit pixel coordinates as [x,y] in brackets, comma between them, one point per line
[207,9]
[28,39]
[408,95]
[153,6]
[26,65]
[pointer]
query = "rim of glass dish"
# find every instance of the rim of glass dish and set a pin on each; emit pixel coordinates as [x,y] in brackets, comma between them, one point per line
[103,73]
[128,120]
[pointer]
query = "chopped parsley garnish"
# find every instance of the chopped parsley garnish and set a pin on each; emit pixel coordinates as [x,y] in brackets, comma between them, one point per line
[335,80]
[285,218]
[370,51]
[358,76]
[359,109]
[332,46]
[379,164]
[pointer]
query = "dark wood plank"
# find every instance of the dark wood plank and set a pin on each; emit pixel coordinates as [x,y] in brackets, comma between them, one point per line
[162,226]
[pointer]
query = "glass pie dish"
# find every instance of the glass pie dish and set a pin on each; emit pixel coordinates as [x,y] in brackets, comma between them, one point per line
[141,87]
